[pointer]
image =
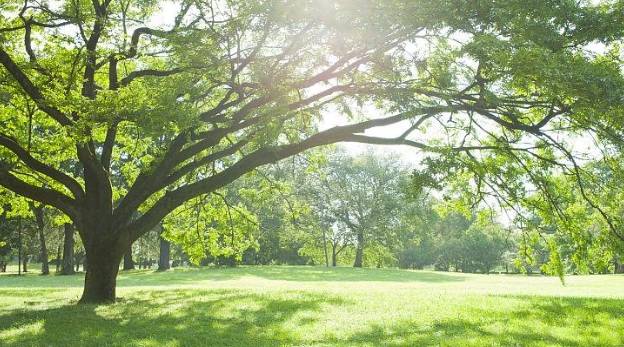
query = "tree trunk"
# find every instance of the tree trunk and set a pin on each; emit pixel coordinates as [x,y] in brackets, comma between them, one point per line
[45,267]
[163,259]
[334,255]
[128,262]
[102,267]
[617,268]
[325,248]
[359,250]
[58,258]
[68,251]
[25,263]
[39,218]
[20,251]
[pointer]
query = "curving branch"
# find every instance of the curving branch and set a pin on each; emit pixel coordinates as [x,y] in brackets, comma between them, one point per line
[74,187]
[173,199]
[43,195]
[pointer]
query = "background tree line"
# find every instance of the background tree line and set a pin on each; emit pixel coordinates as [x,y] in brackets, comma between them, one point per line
[332,208]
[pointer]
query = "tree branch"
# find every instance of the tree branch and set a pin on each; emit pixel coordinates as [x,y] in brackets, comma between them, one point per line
[43,195]
[30,89]
[41,167]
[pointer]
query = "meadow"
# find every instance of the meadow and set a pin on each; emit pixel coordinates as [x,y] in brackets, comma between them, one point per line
[315,306]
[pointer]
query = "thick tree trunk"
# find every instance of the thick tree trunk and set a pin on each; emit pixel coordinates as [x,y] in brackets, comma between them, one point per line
[102,267]
[104,250]
[68,251]
[128,262]
[359,250]
[163,259]
[334,256]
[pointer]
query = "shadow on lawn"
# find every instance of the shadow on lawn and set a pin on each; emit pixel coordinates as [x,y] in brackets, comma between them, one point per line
[161,318]
[235,318]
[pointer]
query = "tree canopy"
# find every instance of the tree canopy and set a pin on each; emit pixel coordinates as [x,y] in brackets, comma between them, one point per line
[118,112]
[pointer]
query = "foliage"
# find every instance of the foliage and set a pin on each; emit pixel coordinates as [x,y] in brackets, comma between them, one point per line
[211,226]
[121,117]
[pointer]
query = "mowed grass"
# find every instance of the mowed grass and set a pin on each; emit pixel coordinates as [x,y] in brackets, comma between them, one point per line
[315,306]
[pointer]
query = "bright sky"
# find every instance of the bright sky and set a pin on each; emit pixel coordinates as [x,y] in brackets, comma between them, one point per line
[409,155]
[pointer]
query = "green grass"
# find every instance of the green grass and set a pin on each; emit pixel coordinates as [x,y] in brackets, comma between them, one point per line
[301,306]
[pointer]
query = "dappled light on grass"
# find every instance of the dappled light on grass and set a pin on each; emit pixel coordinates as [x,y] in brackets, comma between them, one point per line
[511,320]
[189,317]
[276,306]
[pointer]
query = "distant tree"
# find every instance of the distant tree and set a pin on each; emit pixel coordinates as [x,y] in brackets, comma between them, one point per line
[128,261]
[482,250]
[360,195]
[164,254]
[67,267]
[40,219]
[419,255]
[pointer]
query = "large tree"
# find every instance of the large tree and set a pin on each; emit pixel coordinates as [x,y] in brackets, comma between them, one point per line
[182,101]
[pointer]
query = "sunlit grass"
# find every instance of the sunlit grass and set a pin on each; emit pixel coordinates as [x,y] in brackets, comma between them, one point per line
[274,306]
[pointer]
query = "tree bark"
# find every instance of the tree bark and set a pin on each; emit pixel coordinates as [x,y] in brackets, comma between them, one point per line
[165,250]
[102,267]
[68,251]
[128,262]
[359,250]
[334,255]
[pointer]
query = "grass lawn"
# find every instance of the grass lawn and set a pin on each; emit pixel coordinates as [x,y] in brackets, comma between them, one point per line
[301,306]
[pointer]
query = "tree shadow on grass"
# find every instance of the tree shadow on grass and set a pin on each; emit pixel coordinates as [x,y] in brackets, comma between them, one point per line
[175,318]
[240,318]
[543,321]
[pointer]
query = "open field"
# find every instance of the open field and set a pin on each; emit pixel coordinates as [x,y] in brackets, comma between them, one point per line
[274,306]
